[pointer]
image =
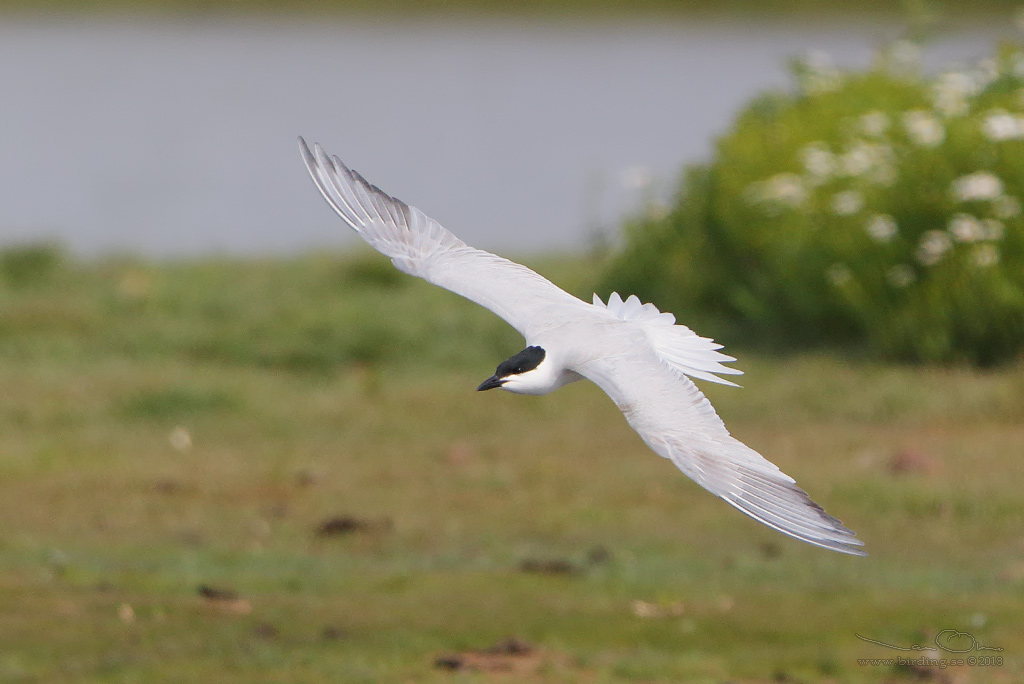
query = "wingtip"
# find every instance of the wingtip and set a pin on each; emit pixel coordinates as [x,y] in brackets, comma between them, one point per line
[308,159]
[846,543]
[778,505]
[322,159]
[850,547]
[305,148]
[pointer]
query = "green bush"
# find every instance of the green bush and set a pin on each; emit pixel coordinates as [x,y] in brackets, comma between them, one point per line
[29,263]
[880,208]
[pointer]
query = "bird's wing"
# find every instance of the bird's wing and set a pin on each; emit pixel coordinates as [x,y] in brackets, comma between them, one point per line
[679,347]
[420,246]
[678,422]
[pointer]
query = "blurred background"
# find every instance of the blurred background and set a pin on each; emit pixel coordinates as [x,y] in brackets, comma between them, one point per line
[172,132]
[236,445]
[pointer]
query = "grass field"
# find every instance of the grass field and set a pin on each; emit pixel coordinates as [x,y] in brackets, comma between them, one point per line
[280,472]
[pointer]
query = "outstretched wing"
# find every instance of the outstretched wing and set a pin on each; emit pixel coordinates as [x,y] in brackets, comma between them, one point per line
[678,422]
[420,246]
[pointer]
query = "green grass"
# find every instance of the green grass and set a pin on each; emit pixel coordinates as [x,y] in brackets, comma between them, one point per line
[168,426]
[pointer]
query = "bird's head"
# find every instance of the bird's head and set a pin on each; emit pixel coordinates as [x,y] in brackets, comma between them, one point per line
[528,372]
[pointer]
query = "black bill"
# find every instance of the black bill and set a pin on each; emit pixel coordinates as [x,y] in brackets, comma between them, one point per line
[490,383]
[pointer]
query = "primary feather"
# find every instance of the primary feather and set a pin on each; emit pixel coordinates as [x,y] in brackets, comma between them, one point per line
[638,355]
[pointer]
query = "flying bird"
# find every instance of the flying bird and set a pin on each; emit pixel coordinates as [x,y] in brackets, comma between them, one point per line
[637,354]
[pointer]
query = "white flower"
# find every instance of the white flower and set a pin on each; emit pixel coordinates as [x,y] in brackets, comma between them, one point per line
[876,162]
[950,93]
[981,185]
[900,275]
[966,228]
[858,159]
[984,74]
[818,160]
[884,173]
[838,274]
[923,128]
[934,244]
[1006,207]
[999,125]
[847,202]
[874,123]
[992,229]
[819,74]
[904,56]
[985,255]
[636,177]
[881,227]
[786,189]
[818,59]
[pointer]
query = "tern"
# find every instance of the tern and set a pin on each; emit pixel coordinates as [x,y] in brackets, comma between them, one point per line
[637,354]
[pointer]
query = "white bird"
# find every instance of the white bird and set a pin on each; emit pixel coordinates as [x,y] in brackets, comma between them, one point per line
[638,355]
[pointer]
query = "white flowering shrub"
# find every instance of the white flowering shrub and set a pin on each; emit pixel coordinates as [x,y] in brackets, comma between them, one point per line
[880,207]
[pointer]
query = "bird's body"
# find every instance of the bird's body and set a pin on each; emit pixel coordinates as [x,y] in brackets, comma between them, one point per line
[632,351]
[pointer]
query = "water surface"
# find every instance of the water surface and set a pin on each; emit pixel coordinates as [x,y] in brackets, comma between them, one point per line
[173,138]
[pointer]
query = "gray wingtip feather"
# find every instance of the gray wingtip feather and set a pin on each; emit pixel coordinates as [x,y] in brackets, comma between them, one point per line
[308,158]
[826,531]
